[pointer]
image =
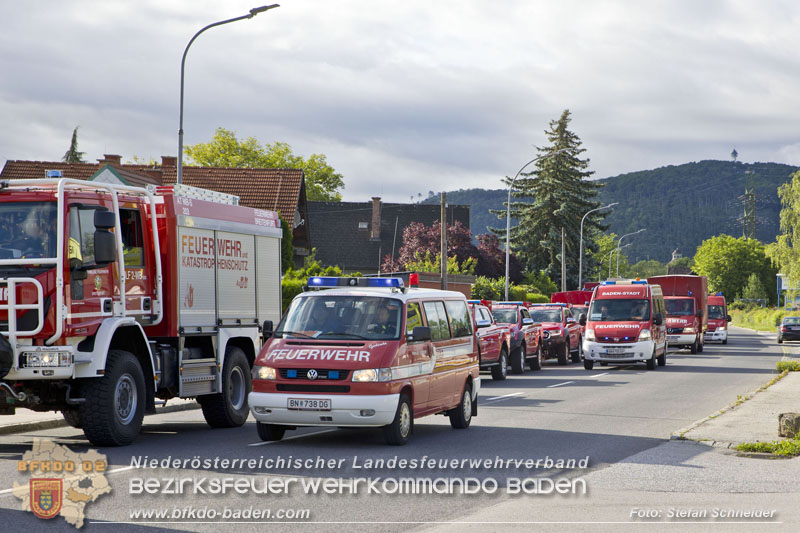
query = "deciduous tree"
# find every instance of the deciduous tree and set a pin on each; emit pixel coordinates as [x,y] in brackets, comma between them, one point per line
[728,262]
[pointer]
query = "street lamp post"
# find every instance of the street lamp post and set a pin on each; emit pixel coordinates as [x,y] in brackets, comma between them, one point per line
[620,240]
[613,250]
[580,245]
[508,205]
[253,12]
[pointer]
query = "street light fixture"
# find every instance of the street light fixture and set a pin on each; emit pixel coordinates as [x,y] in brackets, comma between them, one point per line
[609,258]
[508,205]
[253,12]
[620,240]
[580,246]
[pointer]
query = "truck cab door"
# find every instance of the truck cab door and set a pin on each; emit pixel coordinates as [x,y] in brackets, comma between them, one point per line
[139,267]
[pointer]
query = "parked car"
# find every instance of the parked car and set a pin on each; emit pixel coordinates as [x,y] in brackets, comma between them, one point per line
[526,335]
[494,340]
[789,330]
[561,332]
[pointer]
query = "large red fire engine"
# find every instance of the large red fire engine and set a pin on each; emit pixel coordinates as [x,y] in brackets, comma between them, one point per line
[113,296]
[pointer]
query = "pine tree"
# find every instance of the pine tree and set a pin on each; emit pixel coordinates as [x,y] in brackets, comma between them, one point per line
[561,195]
[72,155]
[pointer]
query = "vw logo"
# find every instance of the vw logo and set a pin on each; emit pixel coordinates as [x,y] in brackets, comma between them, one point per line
[312,374]
[616,339]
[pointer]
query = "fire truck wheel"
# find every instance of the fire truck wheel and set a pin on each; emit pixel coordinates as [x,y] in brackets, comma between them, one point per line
[699,347]
[228,409]
[725,341]
[537,363]
[270,432]
[563,354]
[518,362]
[662,359]
[461,416]
[398,432]
[588,364]
[500,370]
[693,348]
[114,408]
[651,363]
[577,355]
[73,417]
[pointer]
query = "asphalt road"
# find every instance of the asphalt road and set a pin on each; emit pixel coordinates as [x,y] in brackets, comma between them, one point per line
[619,417]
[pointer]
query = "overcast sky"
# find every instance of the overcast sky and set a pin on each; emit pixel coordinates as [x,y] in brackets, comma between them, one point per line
[410,96]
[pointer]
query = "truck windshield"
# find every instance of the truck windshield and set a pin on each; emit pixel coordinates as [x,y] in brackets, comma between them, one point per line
[716,311]
[27,230]
[578,310]
[619,310]
[679,306]
[546,315]
[505,316]
[342,317]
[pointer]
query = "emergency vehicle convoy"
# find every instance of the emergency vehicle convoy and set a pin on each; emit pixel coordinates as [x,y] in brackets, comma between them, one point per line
[561,332]
[718,319]
[526,335]
[367,352]
[494,340]
[626,325]
[112,296]
[686,300]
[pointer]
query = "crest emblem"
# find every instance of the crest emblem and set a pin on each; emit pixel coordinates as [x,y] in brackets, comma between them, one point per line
[98,283]
[46,497]
[312,374]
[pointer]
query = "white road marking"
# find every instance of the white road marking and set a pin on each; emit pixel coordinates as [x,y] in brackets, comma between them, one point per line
[560,384]
[505,396]
[598,375]
[262,443]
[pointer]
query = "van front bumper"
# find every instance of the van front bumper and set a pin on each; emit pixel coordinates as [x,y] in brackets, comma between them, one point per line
[629,352]
[683,339]
[716,335]
[346,410]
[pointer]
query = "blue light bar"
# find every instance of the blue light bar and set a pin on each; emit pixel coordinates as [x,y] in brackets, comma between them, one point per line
[690,293]
[718,294]
[608,283]
[330,281]
[510,303]
[473,301]
[639,282]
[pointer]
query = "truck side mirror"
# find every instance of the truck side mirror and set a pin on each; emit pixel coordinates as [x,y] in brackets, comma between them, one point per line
[266,330]
[420,333]
[582,319]
[658,319]
[527,321]
[483,323]
[729,318]
[105,245]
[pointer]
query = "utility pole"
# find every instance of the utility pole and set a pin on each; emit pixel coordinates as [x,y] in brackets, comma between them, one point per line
[749,198]
[443,223]
[563,261]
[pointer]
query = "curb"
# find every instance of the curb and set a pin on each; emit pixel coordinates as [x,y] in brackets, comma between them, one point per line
[57,423]
[680,434]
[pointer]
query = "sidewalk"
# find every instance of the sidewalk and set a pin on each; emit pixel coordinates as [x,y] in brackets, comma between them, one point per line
[26,420]
[751,420]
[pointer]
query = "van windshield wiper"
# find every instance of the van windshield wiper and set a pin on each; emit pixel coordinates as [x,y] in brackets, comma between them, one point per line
[297,333]
[353,335]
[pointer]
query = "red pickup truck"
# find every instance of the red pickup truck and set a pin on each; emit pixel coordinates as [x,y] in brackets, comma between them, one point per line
[561,332]
[526,335]
[494,340]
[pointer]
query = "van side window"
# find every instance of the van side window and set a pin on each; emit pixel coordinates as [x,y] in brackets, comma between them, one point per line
[413,317]
[81,236]
[460,324]
[131,223]
[437,320]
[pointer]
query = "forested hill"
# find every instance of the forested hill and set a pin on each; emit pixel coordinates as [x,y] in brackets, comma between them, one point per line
[678,205]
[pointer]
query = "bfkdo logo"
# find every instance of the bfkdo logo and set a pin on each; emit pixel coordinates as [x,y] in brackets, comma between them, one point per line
[61,481]
[46,497]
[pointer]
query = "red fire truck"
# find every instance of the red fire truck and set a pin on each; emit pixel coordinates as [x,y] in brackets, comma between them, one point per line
[113,296]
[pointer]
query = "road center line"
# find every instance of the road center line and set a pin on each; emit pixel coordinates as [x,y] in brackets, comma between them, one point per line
[505,396]
[292,438]
[559,384]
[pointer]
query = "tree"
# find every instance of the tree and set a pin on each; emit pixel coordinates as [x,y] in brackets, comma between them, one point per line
[323,183]
[561,195]
[646,268]
[785,251]
[728,262]
[754,290]
[287,248]
[72,155]
[605,249]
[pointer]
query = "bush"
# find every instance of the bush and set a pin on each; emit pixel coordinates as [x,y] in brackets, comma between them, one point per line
[791,366]
[536,298]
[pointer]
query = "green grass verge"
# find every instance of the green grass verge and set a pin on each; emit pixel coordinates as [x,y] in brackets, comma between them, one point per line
[788,366]
[761,319]
[788,448]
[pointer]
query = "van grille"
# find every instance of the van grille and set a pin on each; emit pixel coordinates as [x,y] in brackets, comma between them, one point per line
[287,387]
[322,373]
[674,331]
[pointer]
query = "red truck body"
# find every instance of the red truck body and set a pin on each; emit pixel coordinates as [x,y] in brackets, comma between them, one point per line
[686,300]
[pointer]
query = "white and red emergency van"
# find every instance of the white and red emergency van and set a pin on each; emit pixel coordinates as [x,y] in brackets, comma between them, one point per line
[113,296]
[625,325]
[718,319]
[367,352]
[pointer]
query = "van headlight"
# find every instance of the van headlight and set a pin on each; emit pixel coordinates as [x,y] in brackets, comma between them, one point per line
[371,375]
[721,328]
[589,335]
[264,372]
[688,330]
[644,335]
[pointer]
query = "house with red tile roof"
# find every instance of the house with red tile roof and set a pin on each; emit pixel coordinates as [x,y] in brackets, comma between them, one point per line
[274,189]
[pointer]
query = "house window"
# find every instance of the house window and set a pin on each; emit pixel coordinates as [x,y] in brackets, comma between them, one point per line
[363,225]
